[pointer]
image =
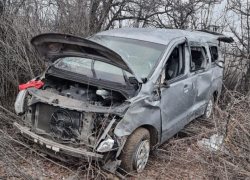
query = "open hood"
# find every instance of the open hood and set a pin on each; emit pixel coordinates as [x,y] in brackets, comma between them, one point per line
[52,46]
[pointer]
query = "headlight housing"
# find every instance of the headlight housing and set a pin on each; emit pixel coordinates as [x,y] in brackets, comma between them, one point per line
[19,104]
[106,145]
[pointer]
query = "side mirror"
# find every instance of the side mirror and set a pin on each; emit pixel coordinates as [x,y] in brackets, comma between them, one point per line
[166,84]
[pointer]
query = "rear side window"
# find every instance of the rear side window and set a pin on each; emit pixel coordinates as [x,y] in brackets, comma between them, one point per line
[214,53]
[199,59]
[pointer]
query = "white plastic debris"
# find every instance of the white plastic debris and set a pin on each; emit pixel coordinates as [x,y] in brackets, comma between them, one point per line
[48,146]
[212,144]
[55,148]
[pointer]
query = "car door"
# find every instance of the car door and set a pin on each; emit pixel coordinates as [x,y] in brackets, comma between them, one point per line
[201,73]
[177,99]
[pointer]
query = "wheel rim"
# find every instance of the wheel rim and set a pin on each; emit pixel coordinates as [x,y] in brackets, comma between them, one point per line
[209,108]
[141,156]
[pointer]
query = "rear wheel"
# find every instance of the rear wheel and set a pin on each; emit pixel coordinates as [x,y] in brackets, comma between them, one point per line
[209,109]
[136,151]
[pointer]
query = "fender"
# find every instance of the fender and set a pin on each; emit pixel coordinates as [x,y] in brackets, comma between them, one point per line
[144,110]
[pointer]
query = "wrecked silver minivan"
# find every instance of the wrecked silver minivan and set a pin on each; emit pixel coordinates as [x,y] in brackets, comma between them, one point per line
[113,95]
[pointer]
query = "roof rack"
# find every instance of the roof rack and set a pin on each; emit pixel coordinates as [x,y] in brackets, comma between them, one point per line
[210,32]
[220,37]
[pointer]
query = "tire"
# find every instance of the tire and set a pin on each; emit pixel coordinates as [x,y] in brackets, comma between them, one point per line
[137,143]
[209,109]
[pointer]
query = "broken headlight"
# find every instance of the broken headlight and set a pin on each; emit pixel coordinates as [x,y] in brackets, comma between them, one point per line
[19,104]
[106,145]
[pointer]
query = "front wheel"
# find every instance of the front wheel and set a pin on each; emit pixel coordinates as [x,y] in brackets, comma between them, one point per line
[136,151]
[209,109]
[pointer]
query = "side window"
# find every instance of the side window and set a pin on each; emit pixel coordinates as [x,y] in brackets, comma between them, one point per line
[175,65]
[214,53]
[199,58]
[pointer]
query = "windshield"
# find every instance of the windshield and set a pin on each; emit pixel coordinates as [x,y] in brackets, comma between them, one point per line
[93,69]
[142,55]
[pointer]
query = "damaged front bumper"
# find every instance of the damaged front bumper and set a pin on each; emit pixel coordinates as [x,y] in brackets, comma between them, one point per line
[56,147]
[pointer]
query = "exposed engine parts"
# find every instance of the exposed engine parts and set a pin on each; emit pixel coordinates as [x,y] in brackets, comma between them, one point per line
[94,95]
[70,126]
[65,124]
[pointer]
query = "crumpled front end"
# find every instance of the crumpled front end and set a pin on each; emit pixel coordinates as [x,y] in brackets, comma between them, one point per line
[54,147]
[70,122]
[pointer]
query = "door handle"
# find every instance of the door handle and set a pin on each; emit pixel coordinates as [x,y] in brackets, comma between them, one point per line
[185,89]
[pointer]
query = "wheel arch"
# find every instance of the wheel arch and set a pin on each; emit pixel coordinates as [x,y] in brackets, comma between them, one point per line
[154,135]
[216,95]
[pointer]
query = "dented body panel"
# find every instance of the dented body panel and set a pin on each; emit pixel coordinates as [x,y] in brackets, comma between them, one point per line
[144,110]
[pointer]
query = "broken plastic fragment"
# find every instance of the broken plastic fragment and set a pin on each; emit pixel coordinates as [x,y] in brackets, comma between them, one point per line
[212,144]
[48,146]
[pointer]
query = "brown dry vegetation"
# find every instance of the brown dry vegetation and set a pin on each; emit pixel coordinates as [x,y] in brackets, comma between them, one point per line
[178,158]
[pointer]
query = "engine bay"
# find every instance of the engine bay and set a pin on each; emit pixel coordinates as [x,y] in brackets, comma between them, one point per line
[94,95]
[72,113]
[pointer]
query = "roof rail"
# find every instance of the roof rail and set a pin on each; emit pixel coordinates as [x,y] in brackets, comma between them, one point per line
[210,32]
[220,37]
